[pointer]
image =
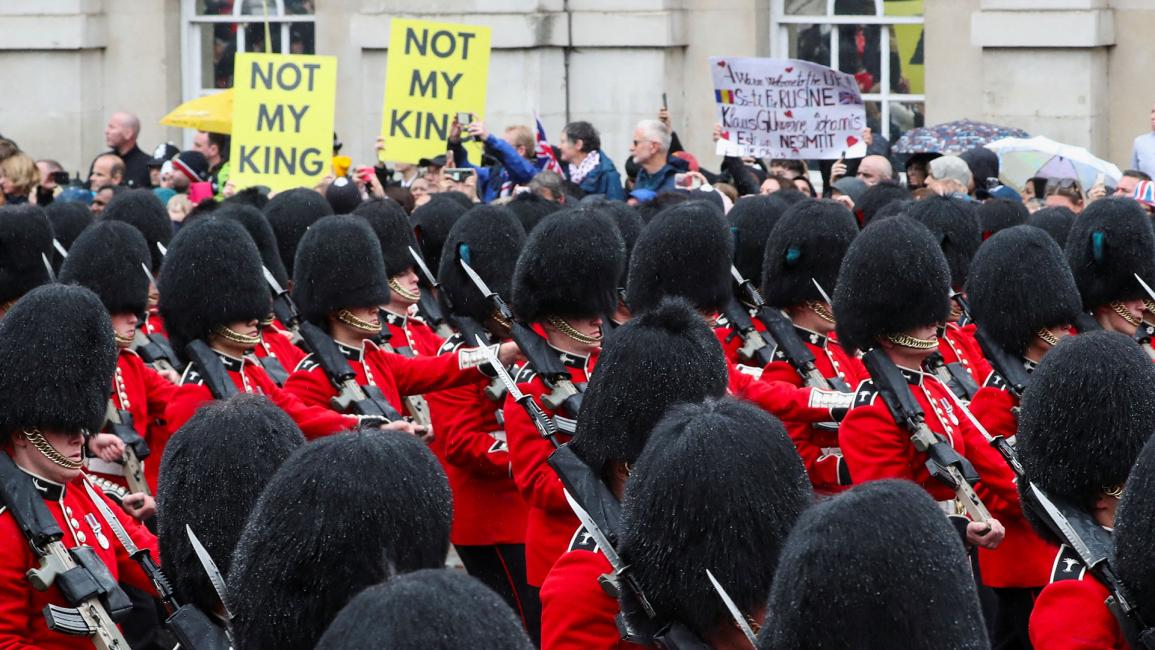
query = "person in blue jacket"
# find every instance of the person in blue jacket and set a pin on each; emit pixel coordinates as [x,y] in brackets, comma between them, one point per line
[650,152]
[588,166]
[514,151]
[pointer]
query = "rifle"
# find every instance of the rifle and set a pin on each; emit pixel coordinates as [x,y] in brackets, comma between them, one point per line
[944,463]
[351,397]
[428,305]
[80,574]
[154,350]
[543,423]
[189,624]
[415,405]
[211,370]
[1012,372]
[284,308]
[564,396]
[119,424]
[951,374]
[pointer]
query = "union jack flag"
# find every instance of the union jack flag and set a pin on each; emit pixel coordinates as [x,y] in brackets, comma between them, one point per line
[546,159]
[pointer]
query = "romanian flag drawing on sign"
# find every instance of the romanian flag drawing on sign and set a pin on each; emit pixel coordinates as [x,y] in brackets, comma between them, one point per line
[724,96]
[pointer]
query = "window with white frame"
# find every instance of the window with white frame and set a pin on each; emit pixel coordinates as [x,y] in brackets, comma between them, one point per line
[880,42]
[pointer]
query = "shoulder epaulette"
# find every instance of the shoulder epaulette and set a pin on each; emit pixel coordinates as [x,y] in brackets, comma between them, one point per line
[1068,565]
[865,394]
[524,374]
[308,364]
[582,541]
[451,344]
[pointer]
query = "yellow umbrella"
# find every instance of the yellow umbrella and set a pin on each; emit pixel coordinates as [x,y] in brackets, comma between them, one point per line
[213,113]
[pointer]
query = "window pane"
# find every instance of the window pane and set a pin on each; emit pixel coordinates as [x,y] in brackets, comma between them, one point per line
[218,48]
[860,54]
[905,116]
[809,43]
[854,8]
[804,7]
[254,7]
[906,44]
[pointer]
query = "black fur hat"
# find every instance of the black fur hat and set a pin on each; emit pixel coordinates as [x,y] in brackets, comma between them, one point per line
[211,276]
[893,278]
[341,514]
[238,443]
[531,209]
[877,197]
[569,267]
[109,259]
[684,251]
[1135,533]
[1056,220]
[254,196]
[728,474]
[751,220]
[431,609]
[338,266]
[665,356]
[808,244]
[432,223]
[290,213]
[626,218]
[257,225]
[25,242]
[58,347]
[68,219]
[1109,243]
[883,562]
[394,232]
[143,209]
[1020,283]
[998,214]
[489,239]
[955,227]
[1088,411]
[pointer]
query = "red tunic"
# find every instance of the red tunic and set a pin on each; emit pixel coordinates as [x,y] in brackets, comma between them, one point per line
[249,377]
[551,522]
[22,623]
[487,508]
[278,344]
[145,394]
[732,341]
[786,401]
[817,445]
[576,612]
[1070,613]
[154,323]
[958,344]
[410,336]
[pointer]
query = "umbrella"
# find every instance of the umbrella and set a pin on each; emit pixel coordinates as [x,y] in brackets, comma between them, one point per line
[1023,158]
[953,137]
[213,113]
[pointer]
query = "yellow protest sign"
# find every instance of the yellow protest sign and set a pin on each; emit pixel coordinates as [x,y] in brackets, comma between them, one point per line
[282,119]
[435,71]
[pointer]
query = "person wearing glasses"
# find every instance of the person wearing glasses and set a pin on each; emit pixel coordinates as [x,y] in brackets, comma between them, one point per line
[1064,193]
[649,151]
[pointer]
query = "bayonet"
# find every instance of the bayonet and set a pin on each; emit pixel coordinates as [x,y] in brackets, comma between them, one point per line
[48,267]
[214,574]
[736,613]
[544,424]
[421,266]
[427,303]
[822,292]
[160,247]
[284,308]
[59,247]
[622,576]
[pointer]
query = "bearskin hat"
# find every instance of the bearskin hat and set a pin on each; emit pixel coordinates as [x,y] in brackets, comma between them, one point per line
[684,251]
[58,347]
[25,242]
[253,196]
[893,278]
[660,204]
[1020,283]
[142,209]
[531,209]
[341,514]
[68,220]
[751,220]
[290,214]
[109,259]
[1135,533]
[257,225]
[1056,220]
[807,245]
[955,227]
[877,197]
[626,218]
[998,214]
[1085,416]
[431,609]
[239,443]
[432,223]
[882,561]
[1109,243]
[394,232]
[665,356]
[211,276]
[339,265]
[734,509]
[489,239]
[569,267]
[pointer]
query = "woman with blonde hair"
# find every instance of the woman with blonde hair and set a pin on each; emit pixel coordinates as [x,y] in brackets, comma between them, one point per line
[18,178]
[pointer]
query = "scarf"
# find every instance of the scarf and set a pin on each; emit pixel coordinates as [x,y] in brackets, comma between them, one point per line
[577,173]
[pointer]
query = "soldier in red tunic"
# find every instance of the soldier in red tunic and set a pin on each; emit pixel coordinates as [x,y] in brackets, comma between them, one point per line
[1134,536]
[751,219]
[26,238]
[57,343]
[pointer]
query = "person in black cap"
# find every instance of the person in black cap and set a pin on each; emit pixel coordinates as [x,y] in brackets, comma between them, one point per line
[876,567]
[235,445]
[430,609]
[1088,411]
[60,339]
[161,155]
[803,253]
[341,514]
[666,356]
[26,238]
[1023,299]
[893,292]
[745,491]
[290,213]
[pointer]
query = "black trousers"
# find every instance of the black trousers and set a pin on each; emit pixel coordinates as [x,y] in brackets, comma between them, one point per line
[1011,629]
[501,567]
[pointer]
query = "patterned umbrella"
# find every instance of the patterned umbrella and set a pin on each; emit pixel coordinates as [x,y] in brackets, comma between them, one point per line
[953,137]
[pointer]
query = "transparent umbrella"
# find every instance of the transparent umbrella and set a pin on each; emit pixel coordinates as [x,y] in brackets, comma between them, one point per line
[1023,158]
